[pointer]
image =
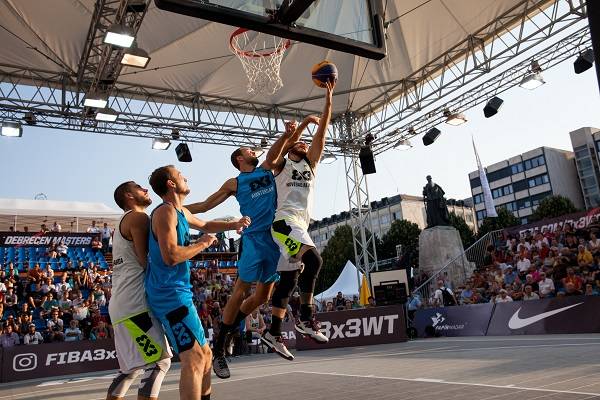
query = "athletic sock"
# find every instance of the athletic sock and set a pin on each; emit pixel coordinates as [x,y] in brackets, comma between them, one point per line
[275,329]
[239,318]
[306,312]
[219,347]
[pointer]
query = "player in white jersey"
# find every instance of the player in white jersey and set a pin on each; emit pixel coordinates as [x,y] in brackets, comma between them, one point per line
[301,262]
[139,338]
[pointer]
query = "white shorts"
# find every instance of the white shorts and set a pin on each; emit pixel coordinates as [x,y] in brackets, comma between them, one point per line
[140,340]
[290,237]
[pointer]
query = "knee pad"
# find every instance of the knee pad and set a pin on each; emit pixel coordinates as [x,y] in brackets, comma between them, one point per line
[287,282]
[312,265]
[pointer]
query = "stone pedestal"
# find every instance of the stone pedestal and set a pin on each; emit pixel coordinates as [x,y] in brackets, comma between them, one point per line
[437,247]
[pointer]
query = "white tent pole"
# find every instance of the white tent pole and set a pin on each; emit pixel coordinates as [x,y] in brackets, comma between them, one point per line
[77,224]
[15,224]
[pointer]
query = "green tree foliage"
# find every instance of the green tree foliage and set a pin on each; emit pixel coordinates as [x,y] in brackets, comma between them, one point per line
[553,206]
[401,232]
[338,250]
[504,219]
[466,234]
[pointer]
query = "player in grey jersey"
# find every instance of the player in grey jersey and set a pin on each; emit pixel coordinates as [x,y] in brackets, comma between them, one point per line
[140,341]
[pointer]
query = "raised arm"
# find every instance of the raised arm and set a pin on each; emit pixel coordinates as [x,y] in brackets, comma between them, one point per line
[292,134]
[216,226]
[318,141]
[229,188]
[164,225]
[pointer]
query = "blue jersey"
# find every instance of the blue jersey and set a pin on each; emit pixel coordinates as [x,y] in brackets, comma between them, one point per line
[257,196]
[165,283]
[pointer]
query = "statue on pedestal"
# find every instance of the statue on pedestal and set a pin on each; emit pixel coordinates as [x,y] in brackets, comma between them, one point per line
[435,204]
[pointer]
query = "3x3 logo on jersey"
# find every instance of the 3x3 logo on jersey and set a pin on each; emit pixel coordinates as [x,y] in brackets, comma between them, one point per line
[301,176]
[262,182]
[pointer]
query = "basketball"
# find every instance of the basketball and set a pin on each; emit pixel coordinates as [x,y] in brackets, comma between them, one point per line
[324,72]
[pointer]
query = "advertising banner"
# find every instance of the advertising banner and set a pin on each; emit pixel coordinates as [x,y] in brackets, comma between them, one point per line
[55,359]
[467,320]
[579,220]
[29,239]
[289,333]
[359,327]
[577,314]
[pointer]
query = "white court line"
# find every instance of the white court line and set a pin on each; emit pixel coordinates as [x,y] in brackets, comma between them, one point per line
[443,382]
[501,338]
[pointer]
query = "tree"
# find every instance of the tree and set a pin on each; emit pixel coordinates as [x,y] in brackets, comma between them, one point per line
[401,232]
[553,206]
[504,219]
[338,250]
[466,234]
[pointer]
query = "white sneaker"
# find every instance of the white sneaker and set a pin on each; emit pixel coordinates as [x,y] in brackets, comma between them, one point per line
[312,329]
[277,344]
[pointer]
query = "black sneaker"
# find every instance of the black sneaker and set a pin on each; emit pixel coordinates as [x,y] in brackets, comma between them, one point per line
[220,367]
[276,344]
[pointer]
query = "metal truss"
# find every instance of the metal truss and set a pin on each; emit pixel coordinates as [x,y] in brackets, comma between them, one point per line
[55,98]
[495,46]
[363,238]
[563,50]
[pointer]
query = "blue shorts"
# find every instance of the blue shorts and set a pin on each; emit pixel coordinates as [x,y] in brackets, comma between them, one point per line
[182,325]
[259,259]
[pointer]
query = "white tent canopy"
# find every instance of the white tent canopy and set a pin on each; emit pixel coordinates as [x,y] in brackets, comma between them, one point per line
[71,215]
[346,283]
[192,55]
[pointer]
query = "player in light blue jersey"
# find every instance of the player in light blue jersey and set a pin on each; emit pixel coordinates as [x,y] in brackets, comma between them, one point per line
[254,189]
[168,286]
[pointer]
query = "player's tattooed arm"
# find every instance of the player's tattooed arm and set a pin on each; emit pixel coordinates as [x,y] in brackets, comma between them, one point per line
[228,189]
[318,143]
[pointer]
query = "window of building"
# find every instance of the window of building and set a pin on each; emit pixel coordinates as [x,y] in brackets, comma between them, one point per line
[385,219]
[478,198]
[534,162]
[500,174]
[520,185]
[516,168]
[475,182]
[481,215]
[523,203]
[538,180]
[502,191]
[524,221]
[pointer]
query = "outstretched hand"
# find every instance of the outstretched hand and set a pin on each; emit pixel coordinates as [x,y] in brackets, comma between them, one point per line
[242,224]
[290,127]
[312,119]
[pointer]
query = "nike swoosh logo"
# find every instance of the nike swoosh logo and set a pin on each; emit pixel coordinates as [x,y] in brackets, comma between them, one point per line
[517,323]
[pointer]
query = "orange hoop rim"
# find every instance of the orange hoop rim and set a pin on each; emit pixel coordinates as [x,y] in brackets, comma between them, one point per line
[244,53]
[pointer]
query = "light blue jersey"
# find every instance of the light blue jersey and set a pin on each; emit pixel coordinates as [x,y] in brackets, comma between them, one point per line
[257,196]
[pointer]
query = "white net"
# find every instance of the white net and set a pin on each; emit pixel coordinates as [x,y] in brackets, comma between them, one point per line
[261,57]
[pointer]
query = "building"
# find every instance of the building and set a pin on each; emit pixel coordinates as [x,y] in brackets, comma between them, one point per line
[586,145]
[386,211]
[521,182]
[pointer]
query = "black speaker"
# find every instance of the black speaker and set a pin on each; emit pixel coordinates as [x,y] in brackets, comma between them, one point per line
[430,136]
[492,107]
[584,62]
[367,162]
[390,292]
[183,152]
[231,245]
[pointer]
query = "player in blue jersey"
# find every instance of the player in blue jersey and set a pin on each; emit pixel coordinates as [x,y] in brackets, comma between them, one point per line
[254,189]
[168,287]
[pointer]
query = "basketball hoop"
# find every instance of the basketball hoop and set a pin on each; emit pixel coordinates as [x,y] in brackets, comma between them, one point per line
[261,64]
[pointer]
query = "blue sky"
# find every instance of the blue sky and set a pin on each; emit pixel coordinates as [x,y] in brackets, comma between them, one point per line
[80,166]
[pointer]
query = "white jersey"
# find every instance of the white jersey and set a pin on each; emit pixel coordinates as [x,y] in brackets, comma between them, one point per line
[128,293]
[295,187]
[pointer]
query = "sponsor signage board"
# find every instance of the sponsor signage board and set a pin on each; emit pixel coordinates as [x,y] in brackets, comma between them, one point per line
[578,220]
[359,328]
[577,314]
[467,320]
[29,239]
[55,359]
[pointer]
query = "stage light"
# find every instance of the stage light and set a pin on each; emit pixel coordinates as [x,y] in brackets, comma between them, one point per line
[96,100]
[11,129]
[454,119]
[534,78]
[135,57]
[403,144]
[107,115]
[30,118]
[258,150]
[160,143]
[584,62]
[264,143]
[492,107]
[431,136]
[119,35]
[175,134]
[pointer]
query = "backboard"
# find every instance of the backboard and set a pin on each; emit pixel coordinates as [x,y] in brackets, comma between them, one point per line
[350,26]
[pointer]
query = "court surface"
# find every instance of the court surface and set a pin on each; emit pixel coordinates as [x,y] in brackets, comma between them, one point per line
[526,368]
